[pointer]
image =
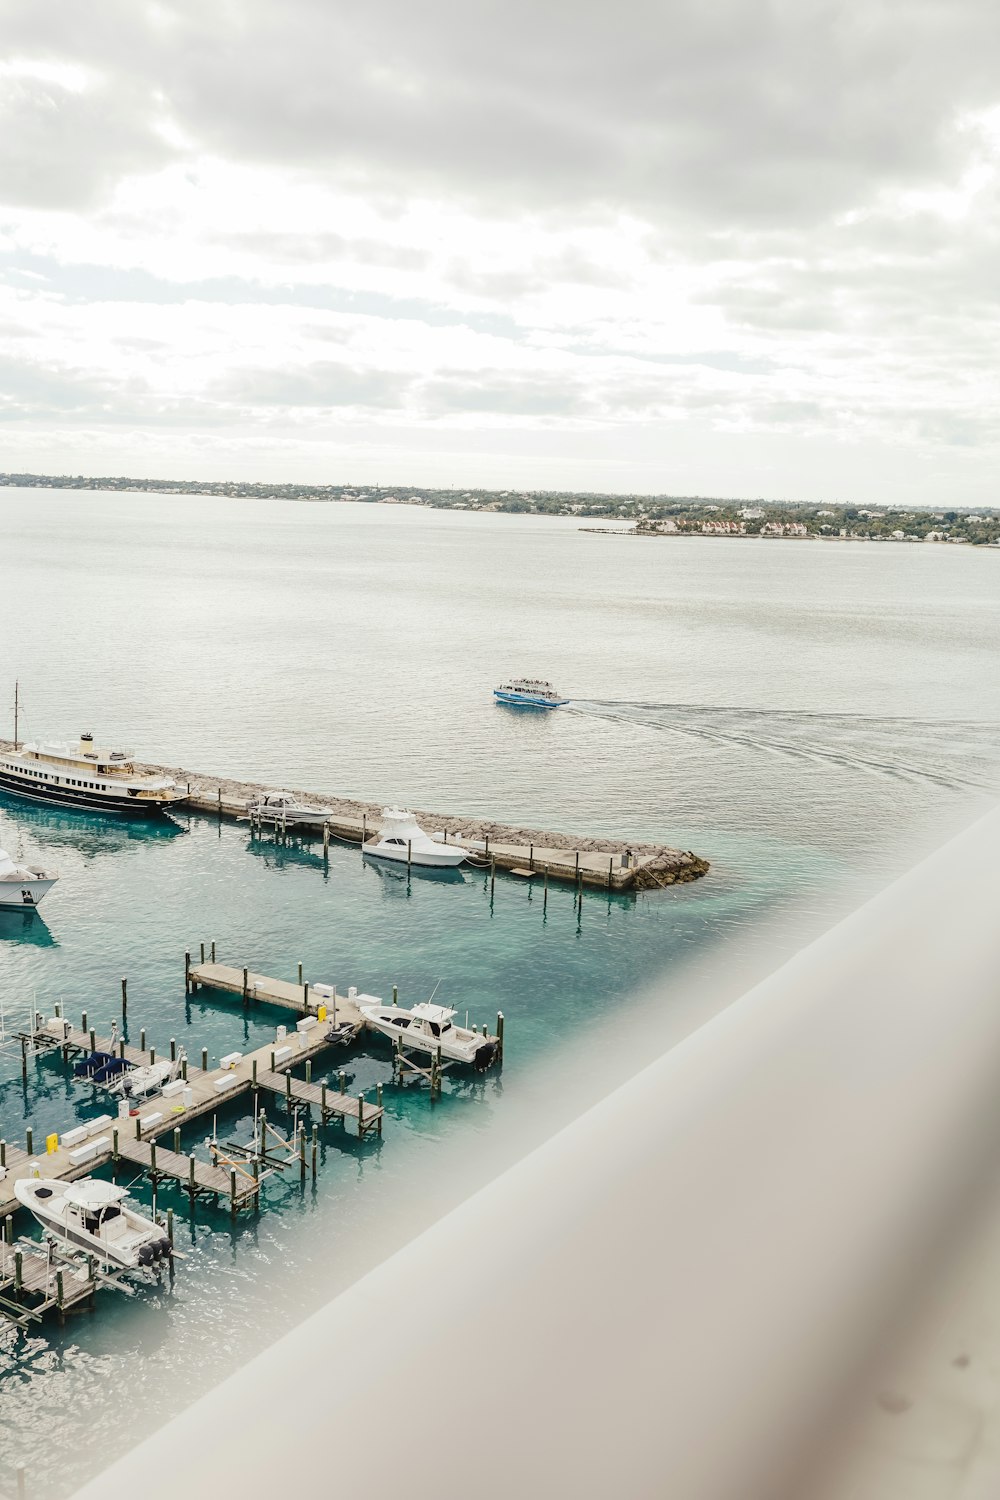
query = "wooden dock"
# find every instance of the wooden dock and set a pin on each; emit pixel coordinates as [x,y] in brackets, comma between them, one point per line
[36,1278]
[135,1137]
[250,986]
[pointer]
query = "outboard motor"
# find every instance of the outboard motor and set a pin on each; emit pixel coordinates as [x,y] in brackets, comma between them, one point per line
[146,1255]
[485,1057]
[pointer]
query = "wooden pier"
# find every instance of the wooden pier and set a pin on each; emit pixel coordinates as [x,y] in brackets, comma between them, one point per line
[135,1137]
[37,1278]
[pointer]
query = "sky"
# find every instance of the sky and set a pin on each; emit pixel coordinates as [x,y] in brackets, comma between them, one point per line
[716,247]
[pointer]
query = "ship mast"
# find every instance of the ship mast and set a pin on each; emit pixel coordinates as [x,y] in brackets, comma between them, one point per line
[17,704]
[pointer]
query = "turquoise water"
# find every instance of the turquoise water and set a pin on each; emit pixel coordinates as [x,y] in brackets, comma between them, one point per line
[804,716]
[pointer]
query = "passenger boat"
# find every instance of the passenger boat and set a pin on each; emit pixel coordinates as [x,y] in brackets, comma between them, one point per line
[83,775]
[529,691]
[92,1215]
[428,1028]
[283,808]
[23,885]
[402,839]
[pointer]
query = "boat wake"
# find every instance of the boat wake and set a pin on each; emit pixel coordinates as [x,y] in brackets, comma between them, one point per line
[959,754]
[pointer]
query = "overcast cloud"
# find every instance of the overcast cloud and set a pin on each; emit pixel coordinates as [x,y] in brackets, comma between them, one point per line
[719,247]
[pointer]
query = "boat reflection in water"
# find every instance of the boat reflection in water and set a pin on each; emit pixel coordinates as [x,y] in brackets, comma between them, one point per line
[396,878]
[27,927]
[55,827]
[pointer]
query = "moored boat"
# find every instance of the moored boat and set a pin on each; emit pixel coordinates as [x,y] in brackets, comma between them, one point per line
[530,692]
[283,808]
[85,776]
[93,1215]
[402,840]
[23,885]
[430,1028]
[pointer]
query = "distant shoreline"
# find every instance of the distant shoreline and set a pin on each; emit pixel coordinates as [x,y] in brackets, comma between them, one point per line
[635,515]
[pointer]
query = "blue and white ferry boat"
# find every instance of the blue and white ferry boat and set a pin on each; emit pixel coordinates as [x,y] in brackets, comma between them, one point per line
[530,691]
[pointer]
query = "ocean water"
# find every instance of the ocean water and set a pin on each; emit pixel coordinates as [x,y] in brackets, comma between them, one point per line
[808,717]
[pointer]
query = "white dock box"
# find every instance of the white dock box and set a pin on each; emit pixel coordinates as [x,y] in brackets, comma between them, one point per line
[230,1060]
[282,1053]
[306,1024]
[323,991]
[97,1124]
[91,1149]
[74,1137]
[170,1089]
[153,1119]
[221,1084]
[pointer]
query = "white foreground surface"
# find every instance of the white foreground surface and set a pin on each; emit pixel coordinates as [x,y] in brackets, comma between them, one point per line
[663,1299]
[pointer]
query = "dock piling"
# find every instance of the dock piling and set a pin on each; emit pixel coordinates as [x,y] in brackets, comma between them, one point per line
[213,950]
[24,1060]
[93,1040]
[232,1191]
[545,890]
[309,1070]
[142,1039]
[184,1069]
[204,1059]
[342,1081]
[187,971]
[246,986]
[611,865]
[300,971]
[8,1229]
[500,1036]
[173,1049]
[83,1023]
[326,839]
[152,1056]
[409,854]
[531,856]
[124,997]
[18,1270]
[177,1140]
[170,1227]
[3,1153]
[191,1177]
[29,1137]
[395,994]
[114,1144]
[315,1151]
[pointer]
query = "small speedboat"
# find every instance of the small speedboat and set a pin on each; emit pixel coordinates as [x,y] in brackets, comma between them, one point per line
[530,692]
[402,839]
[143,1082]
[92,1215]
[429,1028]
[23,885]
[283,808]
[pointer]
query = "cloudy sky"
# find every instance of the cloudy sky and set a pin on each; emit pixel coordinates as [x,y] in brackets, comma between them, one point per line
[700,246]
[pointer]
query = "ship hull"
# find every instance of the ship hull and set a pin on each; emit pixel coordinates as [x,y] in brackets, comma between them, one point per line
[83,800]
[528,700]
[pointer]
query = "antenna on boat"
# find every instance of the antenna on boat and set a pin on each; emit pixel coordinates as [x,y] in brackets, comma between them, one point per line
[434,991]
[17,708]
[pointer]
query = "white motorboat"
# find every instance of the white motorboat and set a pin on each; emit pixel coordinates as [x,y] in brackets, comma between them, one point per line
[92,1215]
[23,885]
[144,1081]
[283,808]
[430,1028]
[402,839]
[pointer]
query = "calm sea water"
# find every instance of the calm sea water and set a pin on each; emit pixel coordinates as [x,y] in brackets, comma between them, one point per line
[803,715]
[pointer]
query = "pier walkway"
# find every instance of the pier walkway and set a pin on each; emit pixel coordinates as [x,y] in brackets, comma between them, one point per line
[199,1091]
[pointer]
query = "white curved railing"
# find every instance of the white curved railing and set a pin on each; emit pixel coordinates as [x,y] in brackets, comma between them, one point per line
[665,1298]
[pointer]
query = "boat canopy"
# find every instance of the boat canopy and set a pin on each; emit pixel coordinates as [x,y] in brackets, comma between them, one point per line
[437,1013]
[94,1194]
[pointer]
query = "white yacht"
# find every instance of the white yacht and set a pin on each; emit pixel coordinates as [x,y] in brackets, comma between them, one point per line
[282,807]
[402,839]
[430,1027]
[83,775]
[92,1215]
[23,886]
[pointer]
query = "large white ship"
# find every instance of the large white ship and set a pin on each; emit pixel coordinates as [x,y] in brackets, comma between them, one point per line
[84,775]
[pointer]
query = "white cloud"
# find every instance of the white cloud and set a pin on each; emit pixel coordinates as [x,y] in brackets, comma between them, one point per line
[749,232]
